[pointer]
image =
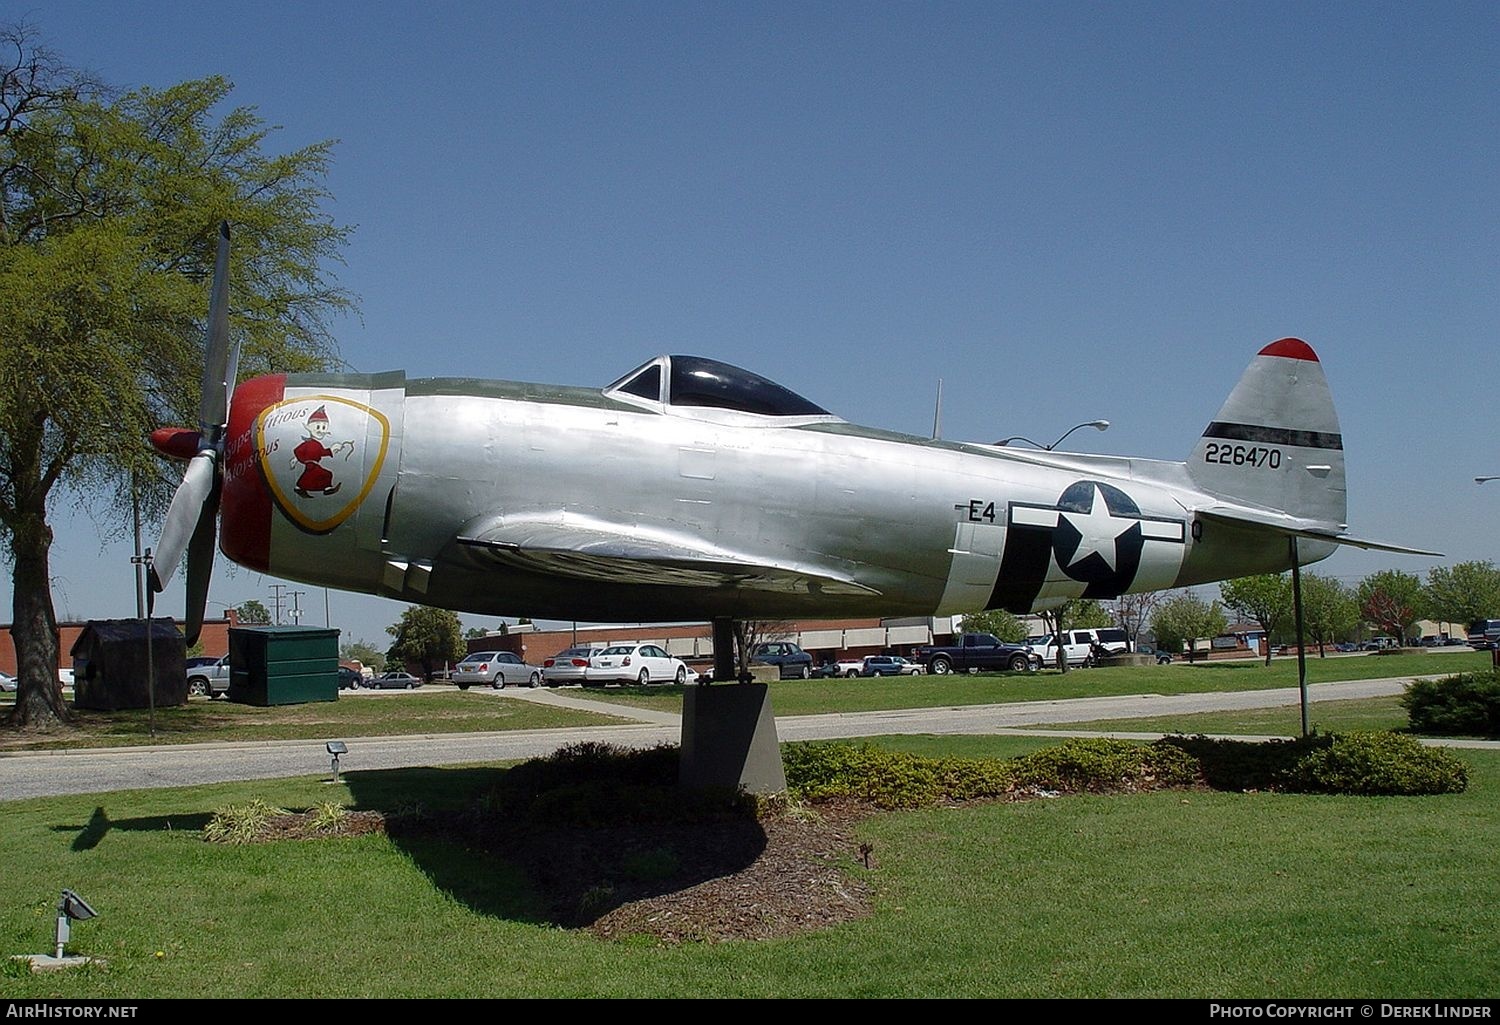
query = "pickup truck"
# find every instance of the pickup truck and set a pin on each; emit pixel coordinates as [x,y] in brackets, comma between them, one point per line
[210,680]
[973,652]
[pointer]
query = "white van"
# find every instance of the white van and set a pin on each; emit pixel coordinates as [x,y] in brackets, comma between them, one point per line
[1078,645]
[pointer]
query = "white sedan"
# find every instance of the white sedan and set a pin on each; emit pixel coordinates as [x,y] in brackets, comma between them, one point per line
[635,663]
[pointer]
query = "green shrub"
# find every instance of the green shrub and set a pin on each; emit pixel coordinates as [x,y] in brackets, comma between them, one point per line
[1101,765]
[1378,763]
[1241,765]
[891,779]
[1464,705]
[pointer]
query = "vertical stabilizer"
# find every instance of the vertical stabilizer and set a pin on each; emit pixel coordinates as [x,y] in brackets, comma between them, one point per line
[1276,441]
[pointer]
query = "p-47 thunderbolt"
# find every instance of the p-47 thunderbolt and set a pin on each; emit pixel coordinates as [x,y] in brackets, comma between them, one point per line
[689,489]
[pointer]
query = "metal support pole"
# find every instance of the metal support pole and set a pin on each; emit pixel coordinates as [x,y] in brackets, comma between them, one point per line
[142,562]
[724,661]
[1301,647]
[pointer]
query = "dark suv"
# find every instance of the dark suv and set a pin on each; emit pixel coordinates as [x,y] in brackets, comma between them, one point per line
[795,663]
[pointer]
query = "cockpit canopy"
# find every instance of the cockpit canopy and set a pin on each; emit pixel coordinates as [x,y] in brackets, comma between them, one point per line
[681,382]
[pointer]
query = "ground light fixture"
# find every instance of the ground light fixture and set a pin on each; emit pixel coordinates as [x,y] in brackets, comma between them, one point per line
[70,908]
[336,748]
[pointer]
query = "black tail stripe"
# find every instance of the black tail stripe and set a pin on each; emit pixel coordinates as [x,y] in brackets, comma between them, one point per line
[1273,436]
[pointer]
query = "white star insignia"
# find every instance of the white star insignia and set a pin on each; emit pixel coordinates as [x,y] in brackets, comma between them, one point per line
[1100,531]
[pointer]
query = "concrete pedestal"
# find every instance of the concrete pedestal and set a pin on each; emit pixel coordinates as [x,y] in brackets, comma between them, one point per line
[729,739]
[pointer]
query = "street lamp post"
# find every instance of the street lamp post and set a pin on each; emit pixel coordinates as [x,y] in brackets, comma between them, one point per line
[1098,425]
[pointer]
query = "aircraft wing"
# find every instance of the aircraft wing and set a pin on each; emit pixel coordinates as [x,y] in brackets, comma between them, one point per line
[1291,527]
[592,549]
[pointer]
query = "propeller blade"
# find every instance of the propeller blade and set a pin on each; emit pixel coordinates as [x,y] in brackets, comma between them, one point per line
[219,365]
[200,565]
[183,516]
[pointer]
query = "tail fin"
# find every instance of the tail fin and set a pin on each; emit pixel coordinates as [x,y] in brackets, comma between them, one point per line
[1276,442]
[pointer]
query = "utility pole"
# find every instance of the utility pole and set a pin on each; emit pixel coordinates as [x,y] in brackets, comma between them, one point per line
[297,607]
[276,590]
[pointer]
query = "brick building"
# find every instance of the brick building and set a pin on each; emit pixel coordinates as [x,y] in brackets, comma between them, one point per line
[214,640]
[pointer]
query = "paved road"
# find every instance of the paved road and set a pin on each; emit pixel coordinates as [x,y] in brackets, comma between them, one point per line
[97,770]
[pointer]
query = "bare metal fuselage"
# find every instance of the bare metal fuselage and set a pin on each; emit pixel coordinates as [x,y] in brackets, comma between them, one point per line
[522,500]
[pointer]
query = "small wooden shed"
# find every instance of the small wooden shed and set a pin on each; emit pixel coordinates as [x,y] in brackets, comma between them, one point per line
[110,664]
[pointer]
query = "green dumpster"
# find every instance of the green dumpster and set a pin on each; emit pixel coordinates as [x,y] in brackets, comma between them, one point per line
[283,665]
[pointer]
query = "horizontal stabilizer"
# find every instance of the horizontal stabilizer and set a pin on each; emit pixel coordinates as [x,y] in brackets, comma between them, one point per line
[1292,527]
[589,549]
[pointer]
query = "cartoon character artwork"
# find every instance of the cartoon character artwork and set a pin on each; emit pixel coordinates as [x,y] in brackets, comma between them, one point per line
[316,478]
[301,464]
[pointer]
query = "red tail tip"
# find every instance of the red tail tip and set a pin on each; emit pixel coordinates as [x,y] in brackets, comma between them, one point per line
[1291,348]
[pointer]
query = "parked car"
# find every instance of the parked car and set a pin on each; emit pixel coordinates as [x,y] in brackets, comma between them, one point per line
[395,680]
[209,680]
[569,665]
[884,665]
[7,682]
[909,666]
[849,667]
[635,663]
[198,661]
[795,663]
[350,679]
[495,669]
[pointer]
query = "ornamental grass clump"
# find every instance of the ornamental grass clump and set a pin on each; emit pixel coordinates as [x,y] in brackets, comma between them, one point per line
[241,823]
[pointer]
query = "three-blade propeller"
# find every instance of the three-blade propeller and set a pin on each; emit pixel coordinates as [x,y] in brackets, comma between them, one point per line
[191,518]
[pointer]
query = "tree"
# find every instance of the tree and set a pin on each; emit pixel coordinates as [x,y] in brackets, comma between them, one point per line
[1392,600]
[108,208]
[1133,612]
[1002,624]
[1185,617]
[1088,614]
[428,636]
[1265,599]
[473,633]
[1329,609]
[1056,621]
[750,632]
[363,652]
[1464,593]
[254,613]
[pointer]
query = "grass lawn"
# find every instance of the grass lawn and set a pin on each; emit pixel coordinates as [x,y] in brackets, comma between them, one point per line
[1383,713]
[445,710]
[809,697]
[396,712]
[1181,894]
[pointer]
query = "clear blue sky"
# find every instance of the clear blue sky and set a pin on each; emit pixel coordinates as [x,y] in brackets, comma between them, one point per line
[1065,211]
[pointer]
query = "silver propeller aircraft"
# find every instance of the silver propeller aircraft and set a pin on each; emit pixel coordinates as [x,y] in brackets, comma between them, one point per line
[693,490]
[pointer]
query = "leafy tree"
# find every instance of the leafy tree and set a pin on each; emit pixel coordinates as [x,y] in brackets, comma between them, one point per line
[1002,624]
[1392,600]
[1265,599]
[254,613]
[1464,593]
[427,636]
[364,653]
[108,210]
[473,633]
[1330,610]
[1185,617]
[1088,614]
